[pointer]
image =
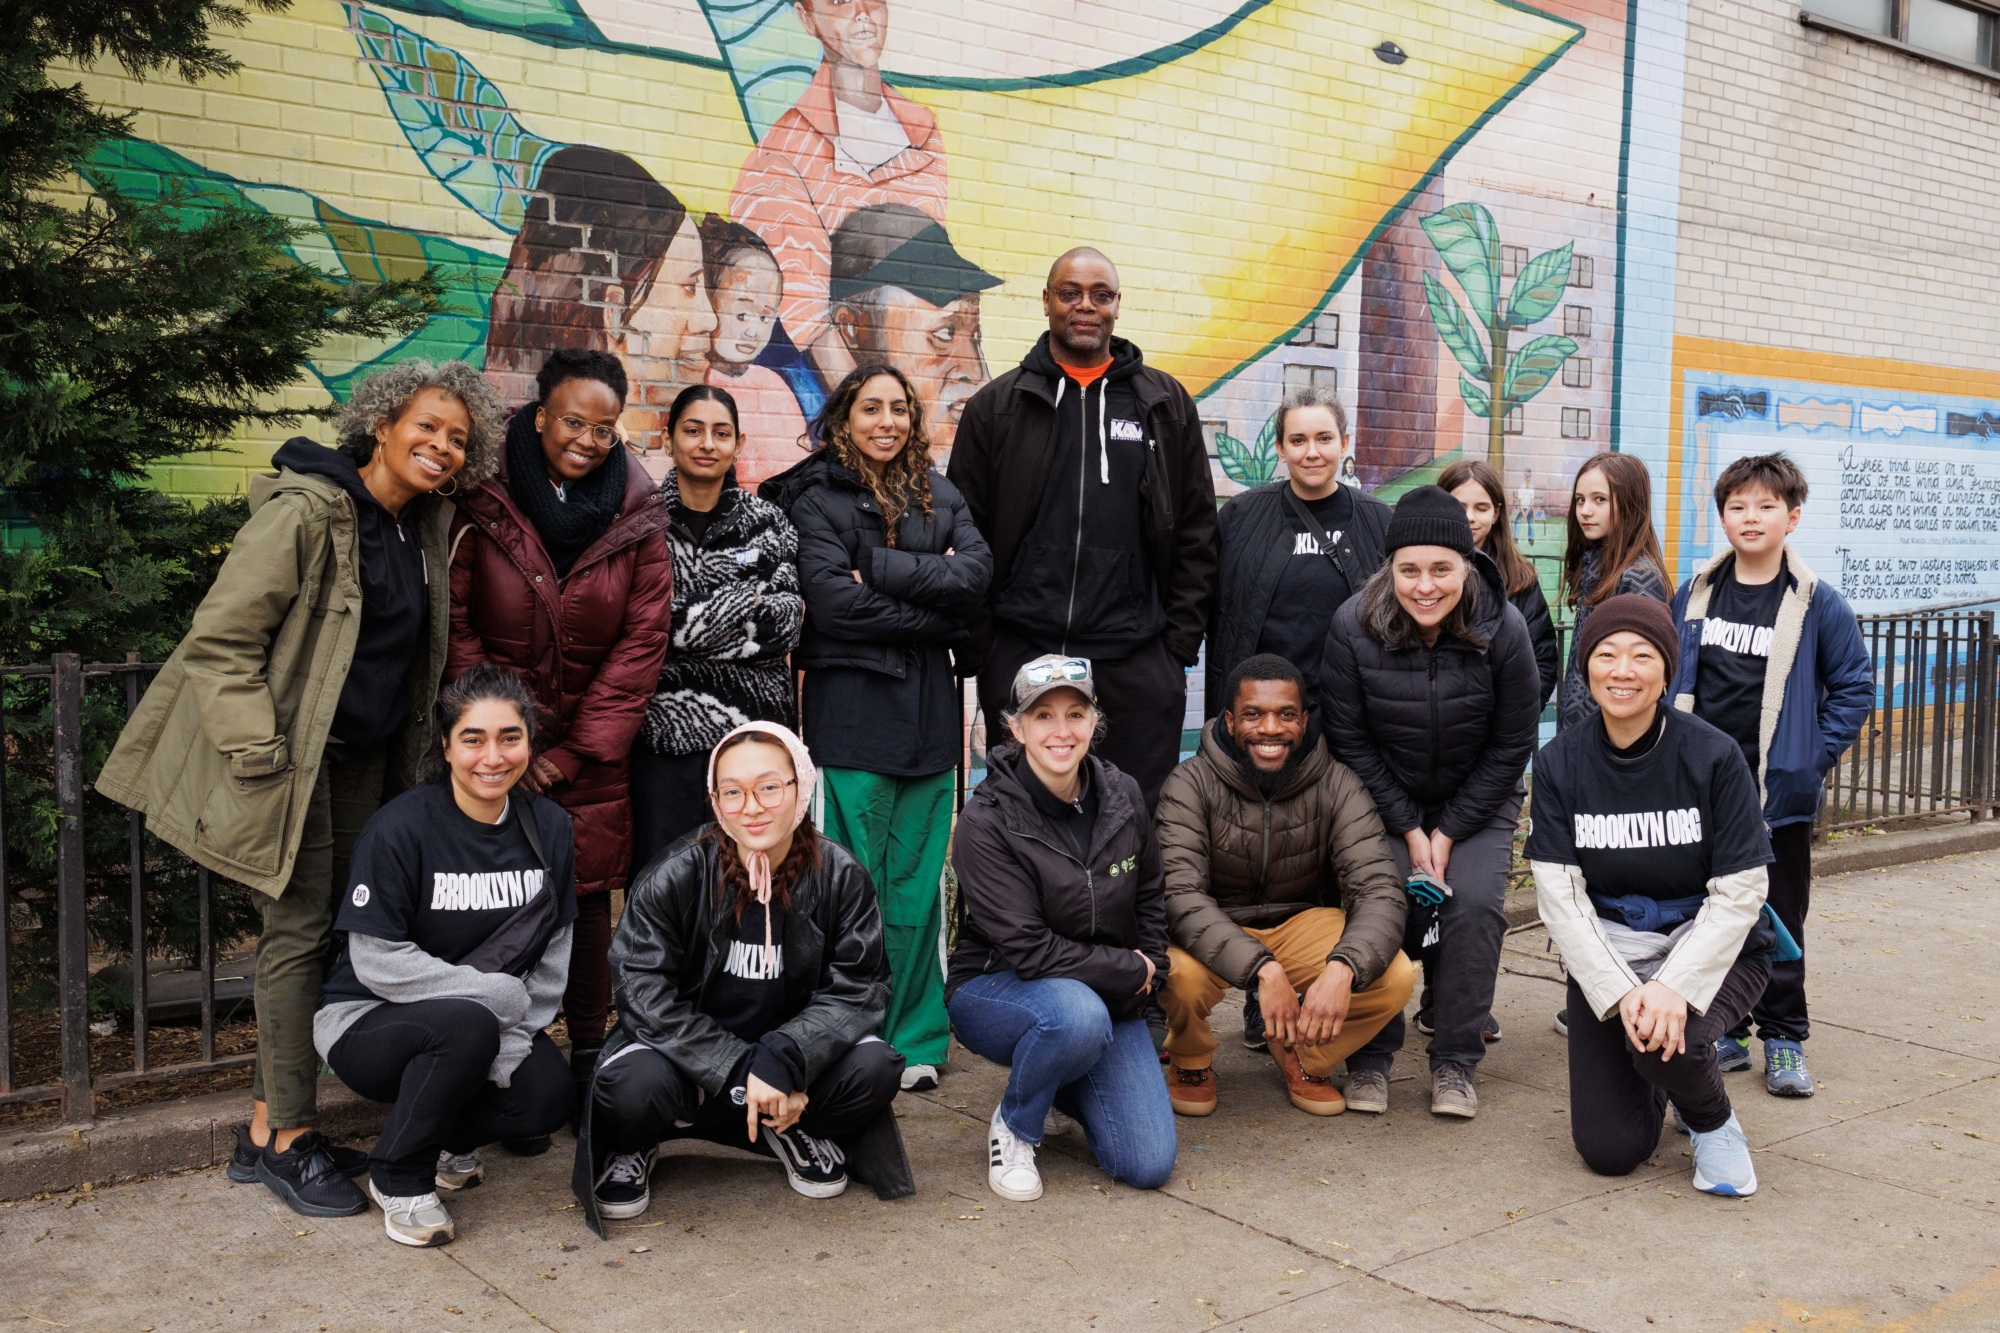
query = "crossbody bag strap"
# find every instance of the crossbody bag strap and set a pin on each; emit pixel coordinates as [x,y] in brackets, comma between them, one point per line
[1333,548]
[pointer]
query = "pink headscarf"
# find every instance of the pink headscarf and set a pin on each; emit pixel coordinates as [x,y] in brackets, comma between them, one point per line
[757,865]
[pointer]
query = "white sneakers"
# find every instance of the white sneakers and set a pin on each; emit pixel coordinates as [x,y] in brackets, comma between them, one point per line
[919,1078]
[416,1219]
[459,1171]
[1010,1164]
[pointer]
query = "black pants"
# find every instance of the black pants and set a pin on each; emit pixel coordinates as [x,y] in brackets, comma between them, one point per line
[430,1059]
[1143,698]
[642,1098]
[587,993]
[1781,1013]
[669,800]
[1618,1094]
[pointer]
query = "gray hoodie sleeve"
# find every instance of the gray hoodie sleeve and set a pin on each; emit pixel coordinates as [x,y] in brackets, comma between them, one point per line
[545,991]
[402,973]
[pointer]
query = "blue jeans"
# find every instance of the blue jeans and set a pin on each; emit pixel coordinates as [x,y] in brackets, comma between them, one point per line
[1063,1049]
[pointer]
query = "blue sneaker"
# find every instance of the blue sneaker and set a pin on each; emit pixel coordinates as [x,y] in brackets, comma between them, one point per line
[1722,1162]
[1680,1125]
[1731,1055]
[1785,1069]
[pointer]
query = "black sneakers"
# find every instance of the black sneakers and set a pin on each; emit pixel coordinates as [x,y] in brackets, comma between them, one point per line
[350,1162]
[817,1167]
[306,1177]
[1254,1036]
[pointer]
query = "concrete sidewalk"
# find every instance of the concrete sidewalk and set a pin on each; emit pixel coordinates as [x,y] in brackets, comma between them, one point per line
[1879,1207]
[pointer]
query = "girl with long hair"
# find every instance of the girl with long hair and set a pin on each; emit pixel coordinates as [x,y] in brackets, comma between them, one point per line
[1474,484]
[736,618]
[458,922]
[892,570]
[1612,550]
[751,976]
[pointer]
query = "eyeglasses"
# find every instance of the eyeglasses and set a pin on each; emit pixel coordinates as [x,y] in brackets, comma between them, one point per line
[1069,668]
[1101,297]
[601,436]
[730,800]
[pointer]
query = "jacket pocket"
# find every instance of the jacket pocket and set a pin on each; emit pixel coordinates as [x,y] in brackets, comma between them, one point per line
[245,819]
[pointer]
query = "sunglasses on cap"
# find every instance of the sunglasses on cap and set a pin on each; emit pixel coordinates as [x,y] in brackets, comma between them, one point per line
[1069,668]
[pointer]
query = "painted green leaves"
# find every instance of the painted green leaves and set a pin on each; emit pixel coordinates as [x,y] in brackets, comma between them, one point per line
[1497,379]
[1249,464]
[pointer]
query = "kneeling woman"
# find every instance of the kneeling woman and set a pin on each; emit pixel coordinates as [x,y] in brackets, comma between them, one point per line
[1649,852]
[750,974]
[1063,941]
[458,916]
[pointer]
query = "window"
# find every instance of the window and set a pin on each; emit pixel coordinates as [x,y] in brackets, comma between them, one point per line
[1512,259]
[1582,270]
[1963,34]
[1516,422]
[1298,377]
[1210,428]
[1576,423]
[1576,321]
[1576,373]
[1320,331]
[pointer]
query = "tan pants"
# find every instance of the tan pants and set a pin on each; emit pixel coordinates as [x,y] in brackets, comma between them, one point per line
[1300,945]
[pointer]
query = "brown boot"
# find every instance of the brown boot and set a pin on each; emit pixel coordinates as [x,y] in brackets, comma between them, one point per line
[1191,1091]
[1311,1094]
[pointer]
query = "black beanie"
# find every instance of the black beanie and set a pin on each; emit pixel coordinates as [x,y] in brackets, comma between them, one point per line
[1637,613]
[1429,516]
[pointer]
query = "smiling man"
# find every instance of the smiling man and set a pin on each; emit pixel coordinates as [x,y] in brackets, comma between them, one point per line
[1260,832]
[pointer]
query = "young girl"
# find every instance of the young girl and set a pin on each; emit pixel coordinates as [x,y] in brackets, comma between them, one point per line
[458,916]
[747,288]
[1612,550]
[893,570]
[1476,485]
[736,618]
[750,977]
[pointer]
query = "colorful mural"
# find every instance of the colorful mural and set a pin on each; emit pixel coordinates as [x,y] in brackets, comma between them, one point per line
[756,194]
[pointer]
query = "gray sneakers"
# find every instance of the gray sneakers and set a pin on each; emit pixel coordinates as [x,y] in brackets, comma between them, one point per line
[1367,1091]
[1452,1092]
[459,1171]
[418,1219]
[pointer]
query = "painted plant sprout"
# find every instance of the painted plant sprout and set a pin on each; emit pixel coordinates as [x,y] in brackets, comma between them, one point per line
[1498,378]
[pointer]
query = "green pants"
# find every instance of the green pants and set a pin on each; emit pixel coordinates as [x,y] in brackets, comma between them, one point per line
[900,830]
[296,945]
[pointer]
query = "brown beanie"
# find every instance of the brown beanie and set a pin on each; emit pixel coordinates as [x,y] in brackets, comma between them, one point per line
[1645,616]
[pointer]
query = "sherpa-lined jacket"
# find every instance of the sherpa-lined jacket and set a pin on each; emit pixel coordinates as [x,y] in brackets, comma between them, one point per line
[1819,684]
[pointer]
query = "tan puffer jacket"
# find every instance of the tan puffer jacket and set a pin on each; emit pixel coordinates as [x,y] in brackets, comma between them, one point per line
[1235,859]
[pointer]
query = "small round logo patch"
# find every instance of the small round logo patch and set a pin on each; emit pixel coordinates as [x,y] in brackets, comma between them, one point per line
[736,1095]
[361,895]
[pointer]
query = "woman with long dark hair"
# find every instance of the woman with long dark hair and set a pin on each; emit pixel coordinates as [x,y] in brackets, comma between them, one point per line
[1474,484]
[1612,550]
[736,618]
[1430,694]
[458,922]
[750,979]
[892,570]
[559,570]
[299,699]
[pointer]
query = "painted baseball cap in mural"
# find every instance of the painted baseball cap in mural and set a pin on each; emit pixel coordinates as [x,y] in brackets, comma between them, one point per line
[1053,671]
[895,245]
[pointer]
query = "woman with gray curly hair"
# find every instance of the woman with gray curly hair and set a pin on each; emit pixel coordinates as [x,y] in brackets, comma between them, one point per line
[300,696]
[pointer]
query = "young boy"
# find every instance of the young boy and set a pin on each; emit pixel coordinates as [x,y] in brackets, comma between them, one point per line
[747,289]
[1773,657]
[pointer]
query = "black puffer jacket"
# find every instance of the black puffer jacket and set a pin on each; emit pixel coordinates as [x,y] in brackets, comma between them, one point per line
[1534,609]
[880,692]
[1032,908]
[1441,735]
[1254,536]
[670,947]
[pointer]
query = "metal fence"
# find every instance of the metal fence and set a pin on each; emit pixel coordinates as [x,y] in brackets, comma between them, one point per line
[1927,749]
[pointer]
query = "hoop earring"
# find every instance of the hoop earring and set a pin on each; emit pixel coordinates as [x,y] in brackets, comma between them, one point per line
[451,481]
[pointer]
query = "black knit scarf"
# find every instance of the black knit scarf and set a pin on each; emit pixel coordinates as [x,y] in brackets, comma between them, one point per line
[567,527]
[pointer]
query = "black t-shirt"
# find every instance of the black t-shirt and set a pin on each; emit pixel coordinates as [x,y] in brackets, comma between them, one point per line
[696,521]
[1310,589]
[748,994]
[426,872]
[1735,649]
[1662,824]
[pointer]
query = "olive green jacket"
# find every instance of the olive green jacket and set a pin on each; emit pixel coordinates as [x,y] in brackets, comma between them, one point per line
[223,751]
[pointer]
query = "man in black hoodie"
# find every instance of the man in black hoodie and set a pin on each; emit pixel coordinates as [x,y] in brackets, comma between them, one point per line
[1087,472]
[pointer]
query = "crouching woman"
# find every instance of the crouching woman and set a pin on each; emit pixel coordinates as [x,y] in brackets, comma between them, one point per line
[1649,853]
[458,917]
[750,974]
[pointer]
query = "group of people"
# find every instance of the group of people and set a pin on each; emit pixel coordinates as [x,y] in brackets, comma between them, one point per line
[472,672]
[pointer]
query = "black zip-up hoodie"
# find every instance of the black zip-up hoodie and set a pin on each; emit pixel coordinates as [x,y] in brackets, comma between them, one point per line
[394,601]
[1083,577]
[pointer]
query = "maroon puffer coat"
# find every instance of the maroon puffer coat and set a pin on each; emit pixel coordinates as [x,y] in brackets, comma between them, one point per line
[589,646]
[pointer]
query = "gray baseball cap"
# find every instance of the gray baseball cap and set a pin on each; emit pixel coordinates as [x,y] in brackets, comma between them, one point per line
[1053,671]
